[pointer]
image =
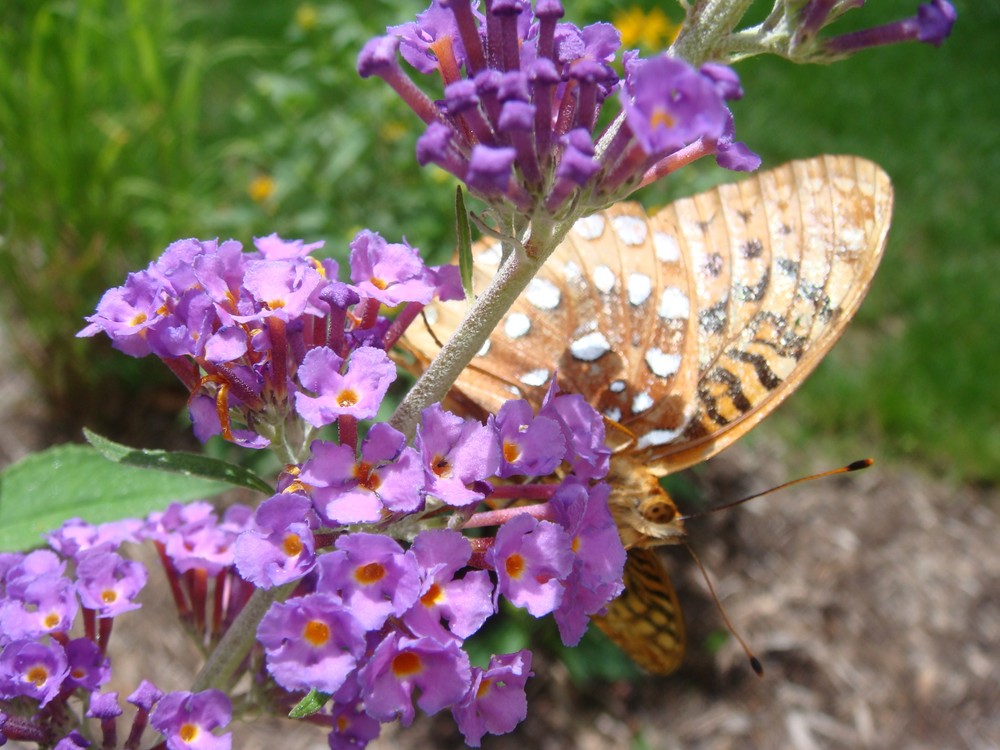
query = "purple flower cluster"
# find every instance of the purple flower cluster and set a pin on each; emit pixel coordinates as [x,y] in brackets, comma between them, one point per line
[523,93]
[45,671]
[379,625]
[385,586]
[269,343]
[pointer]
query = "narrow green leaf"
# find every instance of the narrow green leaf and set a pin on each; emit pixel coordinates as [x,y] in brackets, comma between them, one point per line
[44,489]
[309,705]
[463,231]
[178,462]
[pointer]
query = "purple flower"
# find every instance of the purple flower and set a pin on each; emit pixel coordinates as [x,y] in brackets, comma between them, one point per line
[357,393]
[32,670]
[583,430]
[455,453]
[280,288]
[388,272]
[37,605]
[76,535]
[373,576]
[531,559]
[400,665]
[352,727]
[127,313]
[599,557]
[434,34]
[272,247]
[490,169]
[281,548]
[187,720]
[311,642]
[349,490]
[496,701]
[531,446]
[932,25]
[72,741]
[88,667]
[669,104]
[107,583]
[463,603]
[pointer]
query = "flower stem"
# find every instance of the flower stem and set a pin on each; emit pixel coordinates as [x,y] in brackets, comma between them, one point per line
[480,320]
[227,657]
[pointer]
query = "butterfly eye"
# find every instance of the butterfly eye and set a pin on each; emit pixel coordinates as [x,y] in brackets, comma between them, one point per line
[658,511]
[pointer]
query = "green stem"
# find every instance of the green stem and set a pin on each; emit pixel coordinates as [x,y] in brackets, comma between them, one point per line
[229,654]
[707,24]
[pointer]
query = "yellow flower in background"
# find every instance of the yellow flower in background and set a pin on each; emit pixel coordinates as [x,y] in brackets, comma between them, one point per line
[261,188]
[306,17]
[650,30]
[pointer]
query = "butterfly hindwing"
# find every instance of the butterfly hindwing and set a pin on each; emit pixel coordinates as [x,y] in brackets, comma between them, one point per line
[646,620]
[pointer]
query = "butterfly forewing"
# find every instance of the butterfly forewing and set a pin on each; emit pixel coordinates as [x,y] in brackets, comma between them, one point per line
[781,263]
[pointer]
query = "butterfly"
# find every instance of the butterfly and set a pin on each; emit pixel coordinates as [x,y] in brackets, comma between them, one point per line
[684,329]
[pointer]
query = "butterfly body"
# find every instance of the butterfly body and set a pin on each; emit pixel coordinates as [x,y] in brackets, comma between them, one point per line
[685,329]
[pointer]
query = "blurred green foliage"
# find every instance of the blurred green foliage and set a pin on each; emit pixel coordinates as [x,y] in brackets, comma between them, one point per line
[125,124]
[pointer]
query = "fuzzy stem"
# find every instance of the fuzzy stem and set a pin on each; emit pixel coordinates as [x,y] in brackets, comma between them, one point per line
[707,24]
[480,320]
[238,640]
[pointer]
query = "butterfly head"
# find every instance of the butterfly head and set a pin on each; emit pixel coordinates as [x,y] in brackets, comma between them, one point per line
[646,515]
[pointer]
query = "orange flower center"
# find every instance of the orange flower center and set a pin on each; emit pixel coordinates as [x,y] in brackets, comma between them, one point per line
[433,596]
[316,633]
[406,664]
[368,574]
[292,544]
[347,397]
[514,566]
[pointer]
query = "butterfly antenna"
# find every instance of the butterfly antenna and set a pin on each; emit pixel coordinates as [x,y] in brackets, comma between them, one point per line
[755,664]
[864,463]
[430,330]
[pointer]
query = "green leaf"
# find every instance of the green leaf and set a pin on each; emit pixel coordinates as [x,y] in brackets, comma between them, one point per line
[309,705]
[178,462]
[44,489]
[463,231]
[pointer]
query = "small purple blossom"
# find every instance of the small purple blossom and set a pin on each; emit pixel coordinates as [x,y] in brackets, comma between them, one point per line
[373,576]
[531,559]
[108,583]
[88,667]
[462,603]
[388,272]
[188,720]
[583,430]
[599,557]
[311,642]
[530,445]
[33,670]
[496,701]
[358,392]
[281,548]
[347,489]
[401,666]
[455,453]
